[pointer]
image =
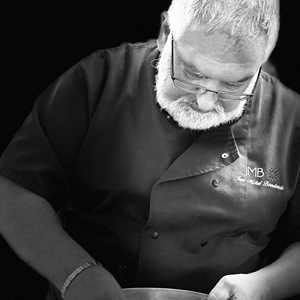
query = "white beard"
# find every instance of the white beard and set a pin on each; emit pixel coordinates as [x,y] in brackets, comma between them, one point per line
[180,109]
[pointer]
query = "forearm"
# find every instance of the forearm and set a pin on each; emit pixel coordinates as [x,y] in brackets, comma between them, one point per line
[33,231]
[283,276]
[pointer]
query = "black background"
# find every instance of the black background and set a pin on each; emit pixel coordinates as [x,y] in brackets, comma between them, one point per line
[44,41]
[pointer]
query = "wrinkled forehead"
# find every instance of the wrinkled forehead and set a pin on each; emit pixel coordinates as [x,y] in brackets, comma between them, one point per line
[221,47]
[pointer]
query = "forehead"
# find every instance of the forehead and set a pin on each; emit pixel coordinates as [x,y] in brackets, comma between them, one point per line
[218,54]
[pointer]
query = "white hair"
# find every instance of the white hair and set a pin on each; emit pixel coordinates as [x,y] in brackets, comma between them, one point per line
[240,18]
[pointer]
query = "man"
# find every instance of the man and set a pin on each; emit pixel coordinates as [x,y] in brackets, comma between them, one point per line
[173,164]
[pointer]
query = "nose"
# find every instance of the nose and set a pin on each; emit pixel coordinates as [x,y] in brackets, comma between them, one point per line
[206,100]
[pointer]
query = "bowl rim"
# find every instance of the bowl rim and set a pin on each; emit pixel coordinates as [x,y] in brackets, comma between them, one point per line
[167,289]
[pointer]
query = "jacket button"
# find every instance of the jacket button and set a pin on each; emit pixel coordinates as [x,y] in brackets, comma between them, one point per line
[215,183]
[155,235]
[203,244]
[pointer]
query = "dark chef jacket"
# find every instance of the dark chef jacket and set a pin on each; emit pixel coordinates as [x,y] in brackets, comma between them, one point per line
[156,204]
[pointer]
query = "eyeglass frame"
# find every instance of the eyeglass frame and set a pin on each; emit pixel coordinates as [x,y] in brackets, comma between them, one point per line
[242,97]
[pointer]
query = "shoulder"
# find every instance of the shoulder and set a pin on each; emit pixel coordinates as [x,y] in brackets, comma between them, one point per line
[97,65]
[280,92]
[280,99]
[114,66]
[126,53]
[110,69]
[277,111]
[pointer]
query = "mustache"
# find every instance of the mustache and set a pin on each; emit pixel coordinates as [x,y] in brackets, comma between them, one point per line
[191,99]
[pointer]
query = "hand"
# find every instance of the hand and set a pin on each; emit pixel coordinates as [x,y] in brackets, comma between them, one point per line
[240,287]
[94,283]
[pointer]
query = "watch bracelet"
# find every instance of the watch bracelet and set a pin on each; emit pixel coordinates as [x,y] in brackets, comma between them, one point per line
[74,274]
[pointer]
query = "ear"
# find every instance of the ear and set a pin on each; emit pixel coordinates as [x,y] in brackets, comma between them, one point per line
[164,30]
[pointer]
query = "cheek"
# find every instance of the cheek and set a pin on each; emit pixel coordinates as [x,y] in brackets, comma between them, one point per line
[164,81]
[172,92]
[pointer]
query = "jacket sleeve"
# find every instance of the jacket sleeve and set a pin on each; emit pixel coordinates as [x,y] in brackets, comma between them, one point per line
[41,155]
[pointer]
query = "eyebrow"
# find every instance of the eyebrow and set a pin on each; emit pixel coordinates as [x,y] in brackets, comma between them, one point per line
[193,69]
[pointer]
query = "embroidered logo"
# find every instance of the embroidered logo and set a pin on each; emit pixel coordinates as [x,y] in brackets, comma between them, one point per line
[273,175]
[262,177]
[256,172]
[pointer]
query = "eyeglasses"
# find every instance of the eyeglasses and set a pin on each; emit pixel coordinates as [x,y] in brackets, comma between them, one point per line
[199,89]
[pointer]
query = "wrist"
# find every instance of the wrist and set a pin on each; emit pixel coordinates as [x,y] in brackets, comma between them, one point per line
[74,274]
[262,282]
